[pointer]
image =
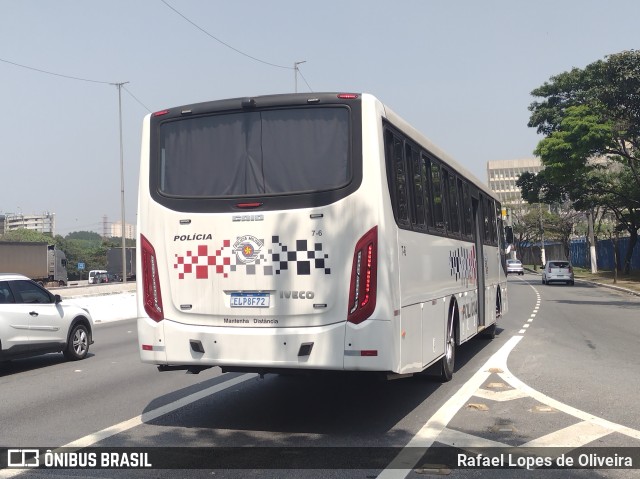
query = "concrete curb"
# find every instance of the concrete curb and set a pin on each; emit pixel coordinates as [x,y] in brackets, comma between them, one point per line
[610,286]
[95,290]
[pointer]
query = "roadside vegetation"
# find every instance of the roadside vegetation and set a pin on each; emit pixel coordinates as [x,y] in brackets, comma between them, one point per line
[590,184]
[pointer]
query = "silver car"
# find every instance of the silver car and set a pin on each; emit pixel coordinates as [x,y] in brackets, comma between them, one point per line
[559,271]
[515,266]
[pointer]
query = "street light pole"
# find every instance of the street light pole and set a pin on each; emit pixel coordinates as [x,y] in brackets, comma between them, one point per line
[295,73]
[124,251]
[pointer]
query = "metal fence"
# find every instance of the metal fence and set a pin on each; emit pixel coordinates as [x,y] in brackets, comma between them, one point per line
[604,251]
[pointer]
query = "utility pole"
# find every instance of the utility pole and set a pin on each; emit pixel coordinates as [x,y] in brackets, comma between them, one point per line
[124,251]
[295,73]
[592,243]
[542,252]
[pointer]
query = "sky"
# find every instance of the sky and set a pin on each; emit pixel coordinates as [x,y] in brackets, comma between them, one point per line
[460,71]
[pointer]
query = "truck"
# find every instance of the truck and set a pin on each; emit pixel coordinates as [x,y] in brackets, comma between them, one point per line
[42,262]
[114,262]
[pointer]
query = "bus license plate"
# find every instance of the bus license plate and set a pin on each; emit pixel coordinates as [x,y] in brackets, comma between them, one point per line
[250,300]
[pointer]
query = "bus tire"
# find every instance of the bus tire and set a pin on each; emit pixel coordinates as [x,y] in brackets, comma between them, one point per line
[448,361]
[490,332]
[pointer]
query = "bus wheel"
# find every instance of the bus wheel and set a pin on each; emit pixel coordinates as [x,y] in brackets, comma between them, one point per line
[490,332]
[447,363]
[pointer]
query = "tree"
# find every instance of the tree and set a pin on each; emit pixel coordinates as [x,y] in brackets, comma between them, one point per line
[587,114]
[27,236]
[85,235]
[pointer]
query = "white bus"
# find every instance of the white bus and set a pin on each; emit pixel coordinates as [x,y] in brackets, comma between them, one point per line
[310,232]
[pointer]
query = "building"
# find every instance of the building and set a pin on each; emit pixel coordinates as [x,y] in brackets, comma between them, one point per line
[129,230]
[44,223]
[503,174]
[114,230]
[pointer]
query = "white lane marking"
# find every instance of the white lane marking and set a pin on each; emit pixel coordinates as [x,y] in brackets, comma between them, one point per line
[499,396]
[585,416]
[436,426]
[463,440]
[91,439]
[576,435]
[404,462]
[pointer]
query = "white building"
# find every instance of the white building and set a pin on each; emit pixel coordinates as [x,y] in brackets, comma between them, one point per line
[44,223]
[503,174]
[115,230]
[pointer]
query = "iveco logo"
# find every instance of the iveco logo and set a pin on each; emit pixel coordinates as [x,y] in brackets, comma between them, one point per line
[296,294]
[247,218]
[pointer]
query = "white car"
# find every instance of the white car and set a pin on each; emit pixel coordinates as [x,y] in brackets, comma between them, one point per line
[93,273]
[559,271]
[33,321]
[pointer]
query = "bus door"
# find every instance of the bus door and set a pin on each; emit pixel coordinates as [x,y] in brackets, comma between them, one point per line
[478,234]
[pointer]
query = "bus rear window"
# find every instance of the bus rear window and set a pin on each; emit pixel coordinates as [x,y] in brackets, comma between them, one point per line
[268,152]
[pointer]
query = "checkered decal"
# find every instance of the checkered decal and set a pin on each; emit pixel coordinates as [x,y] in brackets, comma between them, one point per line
[462,264]
[300,260]
[303,258]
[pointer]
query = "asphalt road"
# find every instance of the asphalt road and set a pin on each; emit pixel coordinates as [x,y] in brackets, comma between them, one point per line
[563,370]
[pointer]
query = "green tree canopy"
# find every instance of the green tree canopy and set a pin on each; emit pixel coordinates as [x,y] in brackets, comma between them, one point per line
[591,112]
[591,121]
[84,235]
[28,236]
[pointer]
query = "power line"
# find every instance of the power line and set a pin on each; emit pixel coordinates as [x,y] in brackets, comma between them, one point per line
[224,43]
[134,97]
[54,74]
[305,80]
[70,77]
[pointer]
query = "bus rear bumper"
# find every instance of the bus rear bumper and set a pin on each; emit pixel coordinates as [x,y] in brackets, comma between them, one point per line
[263,349]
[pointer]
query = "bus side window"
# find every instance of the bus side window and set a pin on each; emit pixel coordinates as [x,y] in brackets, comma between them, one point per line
[454,205]
[425,165]
[397,177]
[487,212]
[495,213]
[465,207]
[436,195]
[467,212]
[418,188]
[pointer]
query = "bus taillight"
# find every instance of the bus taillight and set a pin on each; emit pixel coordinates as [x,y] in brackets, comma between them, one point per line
[150,282]
[348,96]
[362,290]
